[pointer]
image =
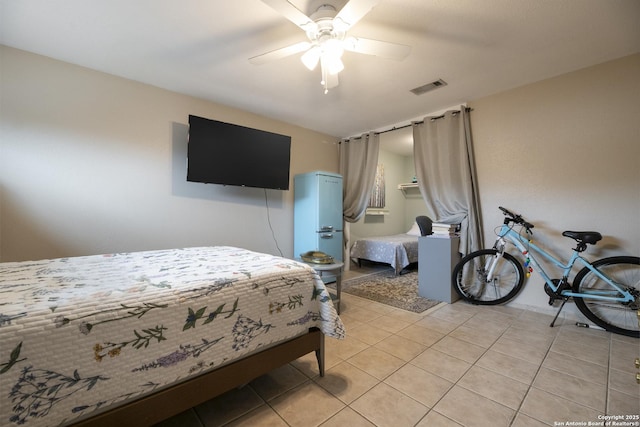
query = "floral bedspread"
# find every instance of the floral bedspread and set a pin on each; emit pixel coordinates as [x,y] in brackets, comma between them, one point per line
[84,333]
[398,250]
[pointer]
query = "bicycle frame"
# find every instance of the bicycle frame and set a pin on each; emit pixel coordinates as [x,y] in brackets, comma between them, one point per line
[507,233]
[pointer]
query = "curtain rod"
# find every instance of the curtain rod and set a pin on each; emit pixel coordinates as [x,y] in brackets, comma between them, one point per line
[467,109]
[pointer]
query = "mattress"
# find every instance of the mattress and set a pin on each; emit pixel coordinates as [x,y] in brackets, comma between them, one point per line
[398,250]
[81,334]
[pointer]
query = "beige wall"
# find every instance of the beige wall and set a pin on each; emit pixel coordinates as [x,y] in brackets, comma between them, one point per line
[92,163]
[564,153]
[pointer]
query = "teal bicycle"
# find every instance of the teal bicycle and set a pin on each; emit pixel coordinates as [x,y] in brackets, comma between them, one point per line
[606,291]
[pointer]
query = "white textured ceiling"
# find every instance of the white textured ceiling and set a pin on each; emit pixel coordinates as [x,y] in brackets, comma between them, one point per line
[201,48]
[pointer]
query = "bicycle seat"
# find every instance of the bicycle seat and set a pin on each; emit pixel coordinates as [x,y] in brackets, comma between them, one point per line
[590,237]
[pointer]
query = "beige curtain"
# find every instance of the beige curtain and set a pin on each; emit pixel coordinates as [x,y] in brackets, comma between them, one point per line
[358,163]
[445,168]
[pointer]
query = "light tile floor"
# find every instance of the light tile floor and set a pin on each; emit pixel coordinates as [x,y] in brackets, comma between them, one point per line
[455,365]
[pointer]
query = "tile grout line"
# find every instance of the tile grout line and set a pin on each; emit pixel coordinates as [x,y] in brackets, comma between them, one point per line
[458,380]
[474,364]
[531,384]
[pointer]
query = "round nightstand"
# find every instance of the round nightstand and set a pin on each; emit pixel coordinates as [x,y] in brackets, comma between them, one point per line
[334,269]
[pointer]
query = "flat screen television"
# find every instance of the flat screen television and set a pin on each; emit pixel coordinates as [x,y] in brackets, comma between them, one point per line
[228,154]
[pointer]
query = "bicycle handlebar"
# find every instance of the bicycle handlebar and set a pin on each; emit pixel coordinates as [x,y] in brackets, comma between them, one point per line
[511,217]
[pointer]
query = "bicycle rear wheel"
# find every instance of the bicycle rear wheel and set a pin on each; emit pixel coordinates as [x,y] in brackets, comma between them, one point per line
[469,278]
[619,318]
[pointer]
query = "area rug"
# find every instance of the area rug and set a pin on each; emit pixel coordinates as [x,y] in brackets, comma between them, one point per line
[387,288]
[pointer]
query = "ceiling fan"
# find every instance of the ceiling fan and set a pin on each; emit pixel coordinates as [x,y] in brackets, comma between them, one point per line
[326,31]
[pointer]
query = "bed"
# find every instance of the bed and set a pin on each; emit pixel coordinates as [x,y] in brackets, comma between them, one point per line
[398,250]
[134,338]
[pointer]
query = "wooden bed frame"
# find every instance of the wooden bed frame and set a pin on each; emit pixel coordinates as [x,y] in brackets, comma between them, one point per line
[171,401]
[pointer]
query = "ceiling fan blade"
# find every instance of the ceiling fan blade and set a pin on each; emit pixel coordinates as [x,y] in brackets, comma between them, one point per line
[292,13]
[280,53]
[377,48]
[353,11]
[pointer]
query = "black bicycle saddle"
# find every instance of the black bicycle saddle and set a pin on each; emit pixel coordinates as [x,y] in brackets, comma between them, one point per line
[590,237]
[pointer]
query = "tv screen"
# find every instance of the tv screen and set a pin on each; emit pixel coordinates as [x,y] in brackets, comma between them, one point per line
[228,154]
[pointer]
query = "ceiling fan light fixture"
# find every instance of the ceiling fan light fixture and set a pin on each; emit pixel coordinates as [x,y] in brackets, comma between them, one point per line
[311,57]
[328,51]
[333,63]
[332,47]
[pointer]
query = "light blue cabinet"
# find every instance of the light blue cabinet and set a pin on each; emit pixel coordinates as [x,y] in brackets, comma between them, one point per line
[317,221]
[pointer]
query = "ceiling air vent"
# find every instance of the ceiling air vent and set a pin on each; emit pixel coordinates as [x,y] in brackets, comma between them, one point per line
[428,87]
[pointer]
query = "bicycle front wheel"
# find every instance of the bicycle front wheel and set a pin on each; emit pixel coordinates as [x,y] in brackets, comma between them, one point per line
[616,317]
[469,277]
